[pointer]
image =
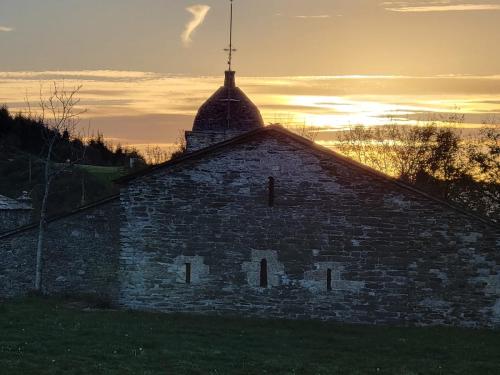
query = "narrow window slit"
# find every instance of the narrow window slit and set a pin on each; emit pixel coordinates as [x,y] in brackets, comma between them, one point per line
[271,191]
[329,279]
[188,273]
[263,273]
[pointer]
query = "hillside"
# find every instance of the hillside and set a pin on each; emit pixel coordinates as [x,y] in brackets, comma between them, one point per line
[23,147]
[66,192]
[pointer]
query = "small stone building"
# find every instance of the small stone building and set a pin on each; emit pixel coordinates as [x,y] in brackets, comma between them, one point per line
[14,213]
[257,221]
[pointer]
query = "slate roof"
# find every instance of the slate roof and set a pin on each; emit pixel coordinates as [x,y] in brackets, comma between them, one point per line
[11,204]
[61,216]
[229,99]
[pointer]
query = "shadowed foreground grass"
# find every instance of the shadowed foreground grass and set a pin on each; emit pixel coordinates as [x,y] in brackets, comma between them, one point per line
[45,337]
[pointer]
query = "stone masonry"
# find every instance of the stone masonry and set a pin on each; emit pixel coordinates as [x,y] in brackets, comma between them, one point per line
[395,254]
[80,255]
[14,213]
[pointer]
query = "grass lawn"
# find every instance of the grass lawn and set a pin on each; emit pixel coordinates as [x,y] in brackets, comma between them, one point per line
[47,337]
[104,175]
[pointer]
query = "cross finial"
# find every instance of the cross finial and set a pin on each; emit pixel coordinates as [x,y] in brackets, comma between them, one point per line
[230,50]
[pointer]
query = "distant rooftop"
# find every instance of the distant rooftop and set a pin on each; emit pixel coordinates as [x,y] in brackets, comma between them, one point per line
[12,204]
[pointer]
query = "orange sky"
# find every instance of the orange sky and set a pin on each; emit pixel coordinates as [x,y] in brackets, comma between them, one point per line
[152,108]
[273,37]
[331,63]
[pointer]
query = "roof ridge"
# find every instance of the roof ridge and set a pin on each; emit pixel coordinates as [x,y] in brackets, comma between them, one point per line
[60,216]
[11,204]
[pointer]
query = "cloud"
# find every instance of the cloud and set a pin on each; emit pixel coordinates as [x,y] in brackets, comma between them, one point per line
[5,29]
[314,16]
[199,13]
[84,75]
[317,16]
[437,6]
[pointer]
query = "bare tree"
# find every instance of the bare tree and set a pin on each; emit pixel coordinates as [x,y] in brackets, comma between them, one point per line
[307,131]
[485,152]
[406,152]
[59,113]
[435,156]
[484,164]
[179,148]
[155,155]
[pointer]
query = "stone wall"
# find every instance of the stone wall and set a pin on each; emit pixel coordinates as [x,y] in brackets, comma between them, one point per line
[11,219]
[339,243]
[201,139]
[80,257]
[393,254]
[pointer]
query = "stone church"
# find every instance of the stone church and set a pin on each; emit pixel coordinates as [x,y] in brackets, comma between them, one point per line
[256,221]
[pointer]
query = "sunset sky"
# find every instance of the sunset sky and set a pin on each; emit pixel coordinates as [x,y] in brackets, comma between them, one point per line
[147,65]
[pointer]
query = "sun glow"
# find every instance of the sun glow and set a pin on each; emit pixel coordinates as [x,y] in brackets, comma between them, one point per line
[143,108]
[338,112]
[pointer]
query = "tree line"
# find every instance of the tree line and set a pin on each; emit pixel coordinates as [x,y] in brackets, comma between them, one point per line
[21,132]
[437,156]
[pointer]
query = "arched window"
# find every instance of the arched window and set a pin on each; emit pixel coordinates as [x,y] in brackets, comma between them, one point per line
[271,191]
[328,279]
[263,273]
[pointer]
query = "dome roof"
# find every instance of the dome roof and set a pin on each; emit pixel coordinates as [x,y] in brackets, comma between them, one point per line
[228,109]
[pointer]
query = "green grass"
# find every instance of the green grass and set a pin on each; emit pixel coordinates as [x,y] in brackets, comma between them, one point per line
[104,175]
[45,337]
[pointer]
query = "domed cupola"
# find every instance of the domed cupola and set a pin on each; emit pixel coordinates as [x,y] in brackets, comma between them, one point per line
[228,109]
[228,113]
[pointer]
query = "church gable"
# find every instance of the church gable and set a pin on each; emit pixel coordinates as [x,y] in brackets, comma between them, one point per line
[274,151]
[250,169]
